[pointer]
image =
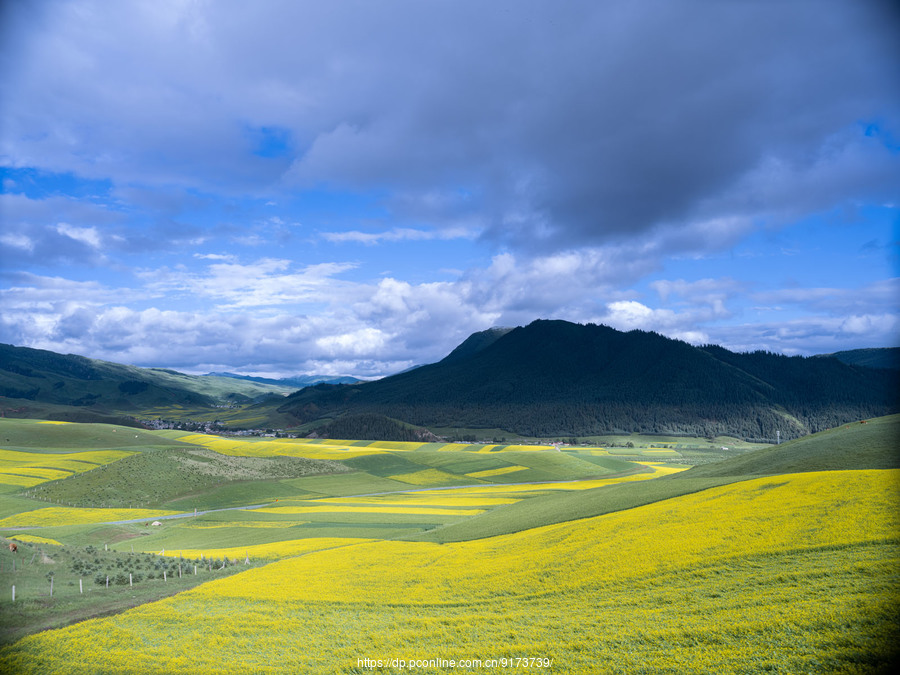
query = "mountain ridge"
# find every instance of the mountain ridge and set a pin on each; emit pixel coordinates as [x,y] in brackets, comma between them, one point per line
[553,377]
[71,380]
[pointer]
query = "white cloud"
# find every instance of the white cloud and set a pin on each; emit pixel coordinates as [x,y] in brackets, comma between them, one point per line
[15,240]
[266,282]
[360,343]
[86,235]
[398,234]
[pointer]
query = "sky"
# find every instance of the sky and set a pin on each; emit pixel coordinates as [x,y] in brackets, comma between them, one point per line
[354,187]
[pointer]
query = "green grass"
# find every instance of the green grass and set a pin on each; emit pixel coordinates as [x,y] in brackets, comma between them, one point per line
[35,610]
[156,477]
[873,445]
[340,485]
[37,436]
[384,465]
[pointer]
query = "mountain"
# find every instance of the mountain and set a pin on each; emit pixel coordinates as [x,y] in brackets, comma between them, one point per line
[555,377]
[885,357]
[295,382]
[45,377]
[475,343]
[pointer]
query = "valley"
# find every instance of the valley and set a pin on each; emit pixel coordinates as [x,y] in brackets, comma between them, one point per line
[333,551]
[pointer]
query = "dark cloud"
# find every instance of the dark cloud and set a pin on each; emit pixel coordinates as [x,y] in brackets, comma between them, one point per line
[552,125]
[586,143]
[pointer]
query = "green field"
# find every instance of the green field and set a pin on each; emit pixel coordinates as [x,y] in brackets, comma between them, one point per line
[580,554]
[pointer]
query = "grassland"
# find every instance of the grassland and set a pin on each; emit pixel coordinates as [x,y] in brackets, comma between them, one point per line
[774,574]
[782,559]
[80,589]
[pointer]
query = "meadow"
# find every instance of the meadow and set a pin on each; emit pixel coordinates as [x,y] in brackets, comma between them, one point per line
[597,562]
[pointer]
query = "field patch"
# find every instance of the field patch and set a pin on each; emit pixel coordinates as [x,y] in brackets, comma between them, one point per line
[34,539]
[28,469]
[427,498]
[158,476]
[427,477]
[381,509]
[62,515]
[272,550]
[496,472]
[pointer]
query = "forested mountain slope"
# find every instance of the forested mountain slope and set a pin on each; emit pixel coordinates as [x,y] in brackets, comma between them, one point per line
[556,377]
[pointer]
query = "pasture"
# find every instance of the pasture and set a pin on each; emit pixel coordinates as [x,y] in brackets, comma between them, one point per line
[433,551]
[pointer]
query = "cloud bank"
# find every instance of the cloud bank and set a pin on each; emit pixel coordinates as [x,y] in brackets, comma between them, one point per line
[360,185]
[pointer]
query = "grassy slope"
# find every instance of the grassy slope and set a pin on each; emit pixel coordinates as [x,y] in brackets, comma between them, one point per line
[155,477]
[35,562]
[38,436]
[873,445]
[857,446]
[780,574]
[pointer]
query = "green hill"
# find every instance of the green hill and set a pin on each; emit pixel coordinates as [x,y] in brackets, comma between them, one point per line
[80,389]
[869,444]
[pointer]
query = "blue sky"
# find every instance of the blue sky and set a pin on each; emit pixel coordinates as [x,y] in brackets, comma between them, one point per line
[355,187]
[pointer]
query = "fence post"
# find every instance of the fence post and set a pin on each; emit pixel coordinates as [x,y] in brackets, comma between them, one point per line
[51,587]
[129,580]
[107,582]
[80,587]
[14,592]
[165,576]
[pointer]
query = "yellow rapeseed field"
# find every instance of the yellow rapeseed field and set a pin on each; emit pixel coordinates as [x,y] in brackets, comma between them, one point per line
[272,448]
[332,448]
[790,573]
[64,515]
[425,477]
[270,551]
[27,469]
[408,510]
[252,524]
[34,539]
[496,472]
[427,498]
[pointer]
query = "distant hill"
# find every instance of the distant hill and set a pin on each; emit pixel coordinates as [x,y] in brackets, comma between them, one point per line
[884,357]
[98,387]
[295,382]
[369,426]
[555,377]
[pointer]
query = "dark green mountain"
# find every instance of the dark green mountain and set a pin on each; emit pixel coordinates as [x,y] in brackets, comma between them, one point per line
[100,386]
[475,343]
[885,357]
[553,377]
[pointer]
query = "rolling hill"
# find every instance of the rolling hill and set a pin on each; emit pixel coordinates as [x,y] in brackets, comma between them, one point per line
[556,377]
[91,390]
